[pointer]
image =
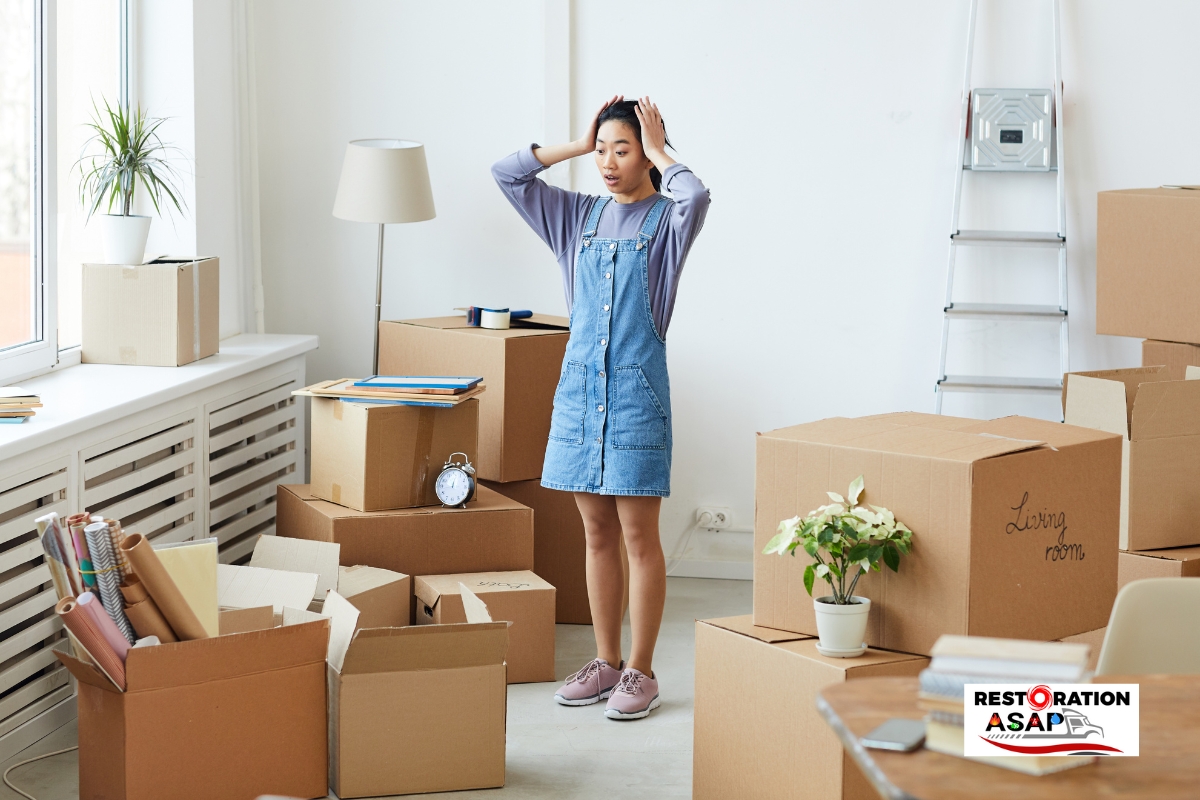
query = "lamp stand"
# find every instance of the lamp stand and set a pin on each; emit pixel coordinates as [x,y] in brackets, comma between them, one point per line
[378,299]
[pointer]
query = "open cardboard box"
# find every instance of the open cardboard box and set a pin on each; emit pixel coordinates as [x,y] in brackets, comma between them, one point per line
[521,367]
[1175,356]
[235,716]
[1158,420]
[416,709]
[1010,517]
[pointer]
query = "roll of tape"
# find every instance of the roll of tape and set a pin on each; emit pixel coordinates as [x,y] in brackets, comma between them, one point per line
[497,319]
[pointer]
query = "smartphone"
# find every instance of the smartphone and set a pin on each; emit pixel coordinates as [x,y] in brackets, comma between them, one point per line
[904,735]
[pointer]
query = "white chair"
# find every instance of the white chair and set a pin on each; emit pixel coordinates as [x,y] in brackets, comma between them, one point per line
[1154,628]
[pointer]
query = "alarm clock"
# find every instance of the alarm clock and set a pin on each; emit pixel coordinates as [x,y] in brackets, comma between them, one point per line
[456,483]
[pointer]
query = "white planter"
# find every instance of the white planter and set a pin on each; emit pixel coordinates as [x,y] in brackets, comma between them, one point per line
[124,238]
[842,628]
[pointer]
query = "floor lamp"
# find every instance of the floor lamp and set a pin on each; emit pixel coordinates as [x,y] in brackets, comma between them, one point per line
[383,180]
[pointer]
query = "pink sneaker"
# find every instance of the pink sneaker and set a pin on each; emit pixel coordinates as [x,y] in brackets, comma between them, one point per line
[634,696]
[590,685]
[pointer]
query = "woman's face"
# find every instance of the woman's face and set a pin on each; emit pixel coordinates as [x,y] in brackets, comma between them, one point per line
[619,157]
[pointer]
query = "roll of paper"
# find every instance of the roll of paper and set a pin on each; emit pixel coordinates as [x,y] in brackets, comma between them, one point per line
[104,562]
[143,612]
[162,588]
[81,625]
[104,623]
[77,525]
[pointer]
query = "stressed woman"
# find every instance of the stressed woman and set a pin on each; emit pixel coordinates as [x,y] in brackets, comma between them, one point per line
[610,433]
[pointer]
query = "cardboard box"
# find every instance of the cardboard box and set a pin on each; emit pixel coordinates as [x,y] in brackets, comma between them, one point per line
[419,709]
[235,716]
[1158,420]
[521,598]
[492,534]
[1176,356]
[1175,562]
[521,367]
[372,457]
[1094,640]
[559,546]
[161,314]
[1148,264]
[1010,517]
[383,598]
[757,729]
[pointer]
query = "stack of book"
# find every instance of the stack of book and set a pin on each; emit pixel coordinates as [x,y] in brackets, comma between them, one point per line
[404,390]
[17,405]
[961,660]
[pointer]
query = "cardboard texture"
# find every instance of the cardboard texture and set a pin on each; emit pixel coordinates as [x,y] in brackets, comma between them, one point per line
[251,587]
[521,598]
[299,555]
[1175,562]
[234,716]
[1009,517]
[383,598]
[161,314]
[1148,264]
[492,534]
[1159,422]
[559,547]
[419,709]
[372,457]
[757,730]
[521,367]
[1175,356]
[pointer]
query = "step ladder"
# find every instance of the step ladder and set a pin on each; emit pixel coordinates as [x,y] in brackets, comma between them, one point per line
[1007,130]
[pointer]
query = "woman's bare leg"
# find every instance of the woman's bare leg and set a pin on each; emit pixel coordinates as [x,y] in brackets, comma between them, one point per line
[647,575]
[605,577]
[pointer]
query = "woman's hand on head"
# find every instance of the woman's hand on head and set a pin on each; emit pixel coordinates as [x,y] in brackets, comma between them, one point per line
[654,136]
[587,142]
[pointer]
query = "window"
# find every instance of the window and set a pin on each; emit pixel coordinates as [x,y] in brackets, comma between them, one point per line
[56,58]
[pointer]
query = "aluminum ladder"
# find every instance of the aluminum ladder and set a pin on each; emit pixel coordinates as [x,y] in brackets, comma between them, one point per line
[997,238]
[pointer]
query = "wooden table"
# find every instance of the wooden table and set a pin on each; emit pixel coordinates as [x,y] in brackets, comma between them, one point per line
[1168,767]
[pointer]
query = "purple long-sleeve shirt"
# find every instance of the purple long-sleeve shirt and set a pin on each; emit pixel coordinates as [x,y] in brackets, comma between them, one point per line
[558,216]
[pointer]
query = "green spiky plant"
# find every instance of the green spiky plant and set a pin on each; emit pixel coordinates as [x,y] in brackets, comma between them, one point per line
[123,151]
[841,536]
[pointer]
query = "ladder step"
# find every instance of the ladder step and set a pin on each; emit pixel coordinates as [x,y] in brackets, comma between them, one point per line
[987,383]
[1009,239]
[1004,311]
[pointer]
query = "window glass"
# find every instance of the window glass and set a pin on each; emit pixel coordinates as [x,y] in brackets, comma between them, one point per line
[18,284]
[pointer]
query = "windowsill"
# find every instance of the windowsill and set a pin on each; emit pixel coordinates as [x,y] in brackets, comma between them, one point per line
[85,396]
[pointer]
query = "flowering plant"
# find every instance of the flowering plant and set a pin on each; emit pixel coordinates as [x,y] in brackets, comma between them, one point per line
[839,537]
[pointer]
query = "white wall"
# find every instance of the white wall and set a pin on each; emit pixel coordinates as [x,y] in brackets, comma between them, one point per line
[826,134]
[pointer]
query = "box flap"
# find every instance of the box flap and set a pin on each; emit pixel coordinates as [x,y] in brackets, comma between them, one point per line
[1054,434]
[426,592]
[1166,408]
[221,657]
[485,500]
[250,587]
[746,627]
[483,582]
[358,579]
[907,434]
[538,324]
[240,620]
[1131,377]
[1100,403]
[300,555]
[424,647]
[343,618]
[474,608]
[86,673]
[1169,554]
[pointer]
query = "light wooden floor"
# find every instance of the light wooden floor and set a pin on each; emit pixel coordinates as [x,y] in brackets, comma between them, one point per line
[553,751]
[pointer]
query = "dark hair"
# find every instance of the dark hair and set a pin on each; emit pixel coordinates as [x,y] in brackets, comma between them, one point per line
[624,112]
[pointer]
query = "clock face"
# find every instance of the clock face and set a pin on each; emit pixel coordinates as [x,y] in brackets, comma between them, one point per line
[453,487]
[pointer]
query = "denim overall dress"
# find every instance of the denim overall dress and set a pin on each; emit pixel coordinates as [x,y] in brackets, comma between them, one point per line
[611,428]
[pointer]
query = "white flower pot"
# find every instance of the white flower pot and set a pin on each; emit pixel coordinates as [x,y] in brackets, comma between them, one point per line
[842,629]
[124,238]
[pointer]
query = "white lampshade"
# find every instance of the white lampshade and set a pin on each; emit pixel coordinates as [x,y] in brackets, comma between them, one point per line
[384,180]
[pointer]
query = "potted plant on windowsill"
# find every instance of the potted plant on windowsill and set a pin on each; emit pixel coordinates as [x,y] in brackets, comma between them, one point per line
[130,152]
[845,540]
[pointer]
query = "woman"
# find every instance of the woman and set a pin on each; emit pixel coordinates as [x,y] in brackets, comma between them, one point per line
[610,434]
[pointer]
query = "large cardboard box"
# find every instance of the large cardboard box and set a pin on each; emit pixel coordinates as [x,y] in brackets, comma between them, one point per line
[1176,356]
[559,546]
[234,717]
[521,367]
[492,534]
[1158,420]
[1148,264]
[1094,640]
[757,730]
[161,314]
[521,598]
[418,709]
[1174,562]
[1010,517]
[372,457]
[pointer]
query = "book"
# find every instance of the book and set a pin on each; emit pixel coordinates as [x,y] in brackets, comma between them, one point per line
[16,394]
[1002,660]
[344,389]
[945,738]
[12,413]
[12,420]
[951,685]
[431,384]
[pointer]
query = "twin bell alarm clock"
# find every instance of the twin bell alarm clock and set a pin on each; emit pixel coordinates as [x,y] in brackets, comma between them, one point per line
[456,483]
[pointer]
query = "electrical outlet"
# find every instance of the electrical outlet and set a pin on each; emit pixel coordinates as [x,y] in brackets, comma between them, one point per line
[719,517]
